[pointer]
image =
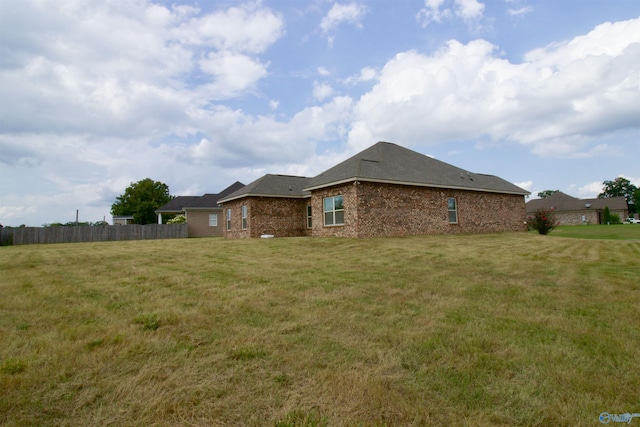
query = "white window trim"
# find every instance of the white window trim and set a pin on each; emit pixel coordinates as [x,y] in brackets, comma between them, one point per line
[245,221]
[228,219]
[309,217]
[455,210]
[333,211]
[213,223]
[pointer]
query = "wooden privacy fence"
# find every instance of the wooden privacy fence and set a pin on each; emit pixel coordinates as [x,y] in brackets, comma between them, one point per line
[100,233]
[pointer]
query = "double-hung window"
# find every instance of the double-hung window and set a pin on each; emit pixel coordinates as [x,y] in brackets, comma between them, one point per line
[452,206]
[244,217]
[333,210]
[228,219]
[213,220]
[309,223]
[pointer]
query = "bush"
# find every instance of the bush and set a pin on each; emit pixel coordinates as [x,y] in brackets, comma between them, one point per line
[615,219]
[543,221]
[610,218]
[179,219]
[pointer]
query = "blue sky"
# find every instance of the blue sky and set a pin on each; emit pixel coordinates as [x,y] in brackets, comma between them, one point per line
[95,95]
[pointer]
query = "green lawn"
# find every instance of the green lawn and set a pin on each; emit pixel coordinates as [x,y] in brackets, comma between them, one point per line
[611,232]
[478,330]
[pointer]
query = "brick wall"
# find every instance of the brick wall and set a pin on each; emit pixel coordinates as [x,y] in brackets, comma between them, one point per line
[350,227]
[236,231]
[373,209]
[281,217]
[591,216]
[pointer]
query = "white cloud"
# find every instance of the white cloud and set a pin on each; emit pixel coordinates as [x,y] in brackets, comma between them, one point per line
[441,10]
[469,9]
[234,73]
[431,12]
[323,71]
[521,11]
[527,185]
[367,74]
[239,140]
[589,191]
[120,70]
[247,28]
[553,101]
[351,13]
[322,91]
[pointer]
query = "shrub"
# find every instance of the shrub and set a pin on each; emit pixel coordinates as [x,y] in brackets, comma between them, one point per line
[610,218]
[615,219]
[179,219]
[543,221]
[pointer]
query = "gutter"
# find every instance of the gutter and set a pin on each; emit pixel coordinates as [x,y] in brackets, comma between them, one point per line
[416,184]
[282,196]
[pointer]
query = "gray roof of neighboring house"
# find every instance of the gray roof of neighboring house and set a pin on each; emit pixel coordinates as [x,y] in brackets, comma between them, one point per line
[176,204]
[390,163]
[272,186]
[206,201]
[560,201]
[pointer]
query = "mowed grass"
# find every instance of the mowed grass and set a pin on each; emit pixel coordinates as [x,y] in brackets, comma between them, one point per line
[478,330]
[611,232]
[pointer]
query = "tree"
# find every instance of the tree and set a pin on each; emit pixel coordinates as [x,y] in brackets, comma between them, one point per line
[636,201]
[621,187]
[546,193]
[618,187]
[141,199]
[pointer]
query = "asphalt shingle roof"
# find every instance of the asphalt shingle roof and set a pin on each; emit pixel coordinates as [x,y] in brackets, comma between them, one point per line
[206,201]
[391,163]
[273,186]
[210,200]
[563,202]
[176,204]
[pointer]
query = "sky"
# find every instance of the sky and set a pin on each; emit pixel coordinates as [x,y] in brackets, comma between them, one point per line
[96,95]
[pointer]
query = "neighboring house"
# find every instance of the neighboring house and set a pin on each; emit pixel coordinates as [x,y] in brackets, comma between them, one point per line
[203,213]
[572,211]
[122,219]
[175,206]
[385,190]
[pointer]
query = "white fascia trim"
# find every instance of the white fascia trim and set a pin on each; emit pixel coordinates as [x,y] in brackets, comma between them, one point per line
[202,209]
[415,184]
[282,196]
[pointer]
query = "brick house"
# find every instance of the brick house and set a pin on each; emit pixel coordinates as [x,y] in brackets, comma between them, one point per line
[572,211]
[385,190]
[203,213]
[271,205]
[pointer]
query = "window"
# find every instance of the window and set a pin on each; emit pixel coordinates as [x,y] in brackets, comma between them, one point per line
[309,223]
[333,210]
[213,220]
[244,217]
[453,210]
[228,219]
